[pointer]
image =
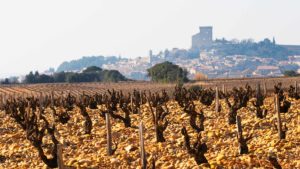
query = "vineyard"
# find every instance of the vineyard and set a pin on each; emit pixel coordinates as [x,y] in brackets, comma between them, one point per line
[234,124]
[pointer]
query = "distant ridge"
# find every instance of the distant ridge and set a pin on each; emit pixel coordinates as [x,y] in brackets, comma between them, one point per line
[84,62]
[295,49]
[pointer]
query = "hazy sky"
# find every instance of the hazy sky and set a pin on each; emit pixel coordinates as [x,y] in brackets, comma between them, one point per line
[36,35]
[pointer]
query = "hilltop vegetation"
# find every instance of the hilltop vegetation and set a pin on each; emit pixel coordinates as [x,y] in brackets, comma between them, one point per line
[290,73]
[222,47]
[80,64]
[265,49]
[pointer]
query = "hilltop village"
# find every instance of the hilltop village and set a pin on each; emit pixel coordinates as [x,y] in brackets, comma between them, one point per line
[218,58]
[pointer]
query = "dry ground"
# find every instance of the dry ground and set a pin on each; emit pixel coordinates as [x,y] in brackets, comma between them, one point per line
[89,151]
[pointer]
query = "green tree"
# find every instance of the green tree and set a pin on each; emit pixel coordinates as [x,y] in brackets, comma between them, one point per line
[5,81]
[45,79]
[167,72]
[92,69]
[60,77]
[112,76]
[290,73]
[30,78]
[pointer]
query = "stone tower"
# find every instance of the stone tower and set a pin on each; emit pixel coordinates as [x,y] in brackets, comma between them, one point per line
[203,39]
[150,56]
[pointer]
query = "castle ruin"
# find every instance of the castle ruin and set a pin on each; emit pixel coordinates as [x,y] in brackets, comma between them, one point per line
[203,39]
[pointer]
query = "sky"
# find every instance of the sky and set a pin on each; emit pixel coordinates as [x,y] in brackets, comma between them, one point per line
[37,35]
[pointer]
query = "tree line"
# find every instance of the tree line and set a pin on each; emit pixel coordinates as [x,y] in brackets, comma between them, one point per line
[165,72]
[90,74]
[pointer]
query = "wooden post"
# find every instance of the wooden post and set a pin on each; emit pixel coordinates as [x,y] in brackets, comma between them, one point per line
[131,102]
[61,98]
[28,108]
[223,88]
[296,87]
[279,125]
[275,104]
[142,147]
[41,103]
[265,89]
[154,116]
[1,100]
[140,113]
[239,131]
[53,106]
[141,97]
[52,99]
[27,113]
[60,161]
[217,100]
[5,98]
[258,91]
[108,134]
[41,99]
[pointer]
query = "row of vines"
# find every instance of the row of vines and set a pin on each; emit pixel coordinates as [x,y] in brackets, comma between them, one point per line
[38,117]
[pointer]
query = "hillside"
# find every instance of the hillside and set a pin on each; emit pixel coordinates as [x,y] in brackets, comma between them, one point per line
[80,64]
